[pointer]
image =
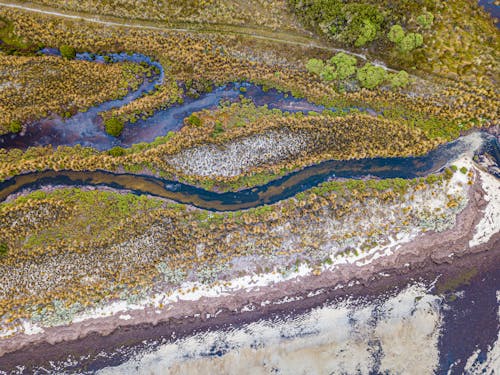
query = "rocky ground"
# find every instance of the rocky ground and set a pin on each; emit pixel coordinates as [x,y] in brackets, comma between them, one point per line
[240,155]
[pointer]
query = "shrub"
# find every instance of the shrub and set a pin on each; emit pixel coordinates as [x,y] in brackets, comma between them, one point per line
[194,120]
[410,42]
[425,20]
[396,34]
[114,126]
[315,66]
[116,151]
[371,76]
[328,73]
[463,170]
[345,64]
[368,32]
[400,79]
[15,126]
[363,22]
[4,249]
[219,128]
[68,52]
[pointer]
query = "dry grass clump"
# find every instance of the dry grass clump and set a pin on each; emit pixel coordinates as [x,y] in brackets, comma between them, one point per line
[36,87]
[166,95]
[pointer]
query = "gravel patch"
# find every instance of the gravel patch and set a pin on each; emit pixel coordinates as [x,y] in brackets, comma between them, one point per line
[239,155]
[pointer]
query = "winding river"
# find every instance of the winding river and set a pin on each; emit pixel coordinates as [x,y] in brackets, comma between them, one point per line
[272,192]
[86,129]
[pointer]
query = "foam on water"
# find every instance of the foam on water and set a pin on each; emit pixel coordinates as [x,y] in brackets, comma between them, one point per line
[343,338]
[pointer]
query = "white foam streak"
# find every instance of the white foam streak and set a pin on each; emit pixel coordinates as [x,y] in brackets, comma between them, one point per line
[334,339]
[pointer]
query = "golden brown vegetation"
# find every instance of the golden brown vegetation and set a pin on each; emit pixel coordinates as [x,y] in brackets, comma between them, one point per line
[36,87]
[89,246]
[270,14]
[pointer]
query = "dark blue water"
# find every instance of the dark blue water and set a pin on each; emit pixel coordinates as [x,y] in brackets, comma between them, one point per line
[492,9]
[470,323]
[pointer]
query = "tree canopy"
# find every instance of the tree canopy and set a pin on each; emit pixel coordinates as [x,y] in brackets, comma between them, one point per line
[371,76]
[345,65]
[400,79]
[315,66]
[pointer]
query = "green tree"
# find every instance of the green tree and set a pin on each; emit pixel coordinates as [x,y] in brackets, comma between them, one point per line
[114,126]
[362,21]
[368,32]
[315,66]
[396,34]
[345,64]
[426,20]
[68,52]
[15,126]
[410,42]
[371,76]
[400,79]
[329,73]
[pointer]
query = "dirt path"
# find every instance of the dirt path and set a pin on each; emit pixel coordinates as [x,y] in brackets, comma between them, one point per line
[254,33]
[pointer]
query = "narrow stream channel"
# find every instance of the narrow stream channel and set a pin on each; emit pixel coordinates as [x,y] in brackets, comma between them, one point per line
[274,191]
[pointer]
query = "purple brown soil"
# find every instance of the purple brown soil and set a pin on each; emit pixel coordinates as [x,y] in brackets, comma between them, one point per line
[447,254]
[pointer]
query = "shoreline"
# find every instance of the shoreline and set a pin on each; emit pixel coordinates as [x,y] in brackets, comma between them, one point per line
[434,253]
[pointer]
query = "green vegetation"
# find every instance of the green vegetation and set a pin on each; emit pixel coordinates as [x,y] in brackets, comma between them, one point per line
[10,42]
[426,20]
[339,67]
[405,42]
[15,126]
[345,65]
[194,120]
[371,76]
[463,170]
[4,249]
[116,151]
[218,129]
[410,42]
[68,52]
[355,24]
[400,79]
[315,66]
[114,126]
[396,34]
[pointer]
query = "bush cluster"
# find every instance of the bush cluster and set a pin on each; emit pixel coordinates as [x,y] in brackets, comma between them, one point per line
[114,126]
[343,66]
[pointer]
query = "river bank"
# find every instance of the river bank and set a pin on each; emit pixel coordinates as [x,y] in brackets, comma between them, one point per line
[446,252]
